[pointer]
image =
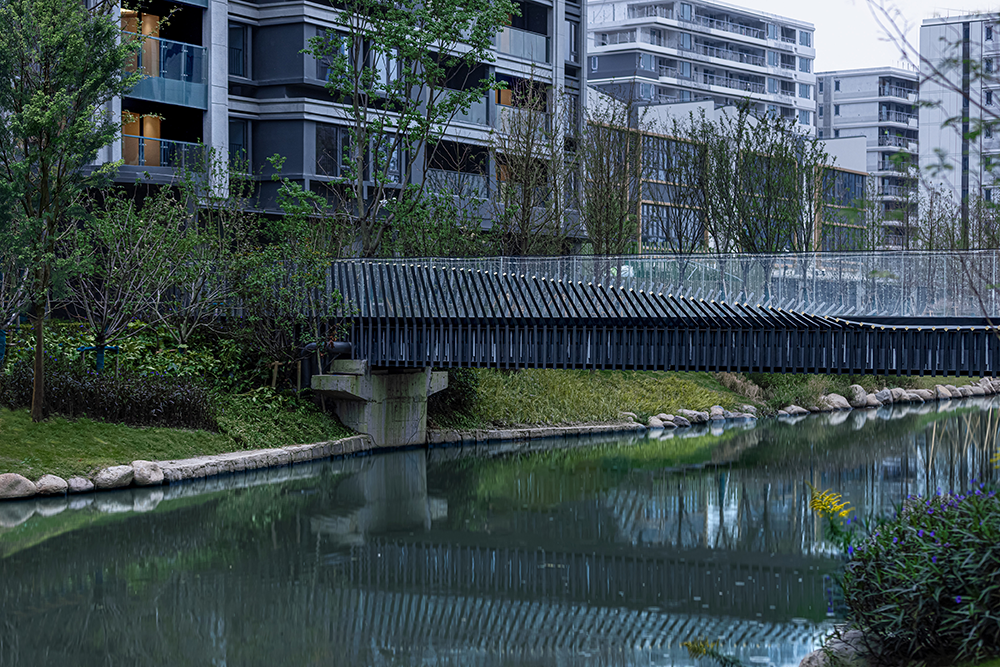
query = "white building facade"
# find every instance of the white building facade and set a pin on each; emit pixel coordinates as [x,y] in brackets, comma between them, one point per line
[879,104]
[959,59]
[663,51]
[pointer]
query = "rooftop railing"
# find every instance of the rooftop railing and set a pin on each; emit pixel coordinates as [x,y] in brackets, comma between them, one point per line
[727,26]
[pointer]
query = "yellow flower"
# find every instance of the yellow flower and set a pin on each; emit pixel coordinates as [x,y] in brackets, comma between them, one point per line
[827,503]
[699,647]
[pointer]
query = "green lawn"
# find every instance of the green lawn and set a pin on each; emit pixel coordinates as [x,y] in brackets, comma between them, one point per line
[78,447]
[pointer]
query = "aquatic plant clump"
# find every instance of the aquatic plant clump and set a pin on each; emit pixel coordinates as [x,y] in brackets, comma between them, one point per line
[926,583]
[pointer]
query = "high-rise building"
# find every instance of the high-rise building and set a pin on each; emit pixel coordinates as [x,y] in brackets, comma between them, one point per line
[879,104]
[664,51]
[231,76]
[959,60]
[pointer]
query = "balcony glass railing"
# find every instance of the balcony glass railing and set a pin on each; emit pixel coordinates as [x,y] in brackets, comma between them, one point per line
[477,114]
[612,38]
[170,60]
[147,152]
[897,191]
[896,117]
[457,183]
[523,44]
[736,84]
[899,142]
[649,11]
[729,54]
[727,26]
[895,91]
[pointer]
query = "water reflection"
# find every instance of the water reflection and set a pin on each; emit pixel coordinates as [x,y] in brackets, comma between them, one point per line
[601,555]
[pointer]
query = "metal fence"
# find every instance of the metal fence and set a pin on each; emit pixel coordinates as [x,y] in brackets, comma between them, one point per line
[881,284]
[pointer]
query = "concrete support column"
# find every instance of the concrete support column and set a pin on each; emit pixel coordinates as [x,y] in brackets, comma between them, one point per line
[390,406]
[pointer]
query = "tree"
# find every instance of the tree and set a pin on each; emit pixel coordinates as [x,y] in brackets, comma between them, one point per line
[401,72]
[610,154]
[534,176]
[123,259]
[60,63]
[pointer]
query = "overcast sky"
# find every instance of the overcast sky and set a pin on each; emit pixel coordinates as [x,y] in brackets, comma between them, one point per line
[847,35]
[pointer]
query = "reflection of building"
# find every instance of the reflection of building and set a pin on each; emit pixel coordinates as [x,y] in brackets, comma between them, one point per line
[232,76]
[670,51]
[879,104]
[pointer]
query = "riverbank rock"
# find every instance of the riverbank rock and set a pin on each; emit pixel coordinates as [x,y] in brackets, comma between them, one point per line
[716,412]
[114,477]
[694,416]
[953,390]
[941,392]
[794,410]
[846,650]
[146,473]
[631,416]
[898,394]
[50,485]
[681,422]
[654,422]
[13,485]
[925,394]
[976,390]
[858,397]
[913,397]
[79,485]
[835,402]
[884,396]
[872,402]
[782,413]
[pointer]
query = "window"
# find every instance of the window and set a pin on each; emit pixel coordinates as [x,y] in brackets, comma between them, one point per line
[645,91]
[821,131]
[385,65]
[805,118]
[836,109]
[821,85]
[805,90]
[989,33]
[333,150]
[572,41]
[836,134]
[390,158]
[836,85]
[805,38]
[772,31]
[684,69]
[239,146]
[820,110]
[593,63]
[684,39]
[772,58]
[988,194]
[988,131]
[238,51]
[805,65]
[646,62]
[772,109]
[988,65]
[685,12]
[772,86]
[989,98]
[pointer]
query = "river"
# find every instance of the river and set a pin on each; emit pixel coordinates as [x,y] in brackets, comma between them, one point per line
[579,553]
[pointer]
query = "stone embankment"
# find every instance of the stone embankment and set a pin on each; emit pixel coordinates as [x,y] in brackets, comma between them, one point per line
[156,473]
[860,399]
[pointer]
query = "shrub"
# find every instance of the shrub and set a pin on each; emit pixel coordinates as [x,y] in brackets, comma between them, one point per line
[458,402]
[739,384]
[926,584]
[129,397]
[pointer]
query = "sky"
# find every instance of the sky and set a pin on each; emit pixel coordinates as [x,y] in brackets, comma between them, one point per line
[847,34]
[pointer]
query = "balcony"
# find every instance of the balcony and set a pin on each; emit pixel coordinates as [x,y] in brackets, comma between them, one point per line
[735,84]
[900,191]
[729,54]
[898,142]
[147,152]
[173,73]
[896,117]
[612,38]
[516,120]
[896,91]
[457,183]
[478,113]
[524,44]
[649,11]
[726,26]
[889,165]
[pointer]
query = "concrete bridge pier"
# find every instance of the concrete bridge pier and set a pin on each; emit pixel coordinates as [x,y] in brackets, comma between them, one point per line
[388,405]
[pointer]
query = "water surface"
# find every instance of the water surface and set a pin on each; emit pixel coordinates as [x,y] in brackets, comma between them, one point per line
[596,553]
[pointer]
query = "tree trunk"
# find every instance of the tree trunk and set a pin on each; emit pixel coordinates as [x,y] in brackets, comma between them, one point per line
[38,386]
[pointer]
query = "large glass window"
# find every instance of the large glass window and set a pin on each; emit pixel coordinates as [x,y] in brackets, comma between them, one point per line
[239,143]
[805,65]
[805,38]
[805,90]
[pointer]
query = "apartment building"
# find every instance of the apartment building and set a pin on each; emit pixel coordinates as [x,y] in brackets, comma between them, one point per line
[669,220]
[664,51]
[960,56]
[879,104]
[230,75]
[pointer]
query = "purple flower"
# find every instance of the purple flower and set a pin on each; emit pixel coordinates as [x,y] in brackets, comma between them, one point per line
[920,533]
[895,540]
[958,599]
[850,550]
[933,559]
[932,533]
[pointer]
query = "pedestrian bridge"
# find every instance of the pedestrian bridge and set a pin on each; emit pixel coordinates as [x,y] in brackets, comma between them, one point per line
[449,313]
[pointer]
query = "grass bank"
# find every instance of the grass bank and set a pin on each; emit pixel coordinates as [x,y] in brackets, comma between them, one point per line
[480,398]
[67,447]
